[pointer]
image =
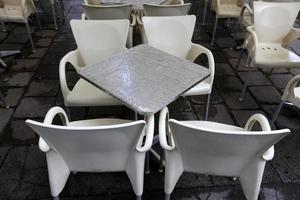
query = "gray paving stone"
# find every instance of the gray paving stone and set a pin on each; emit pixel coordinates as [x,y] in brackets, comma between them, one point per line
[182,104]
[20,131]
[17,79]
[3,153]
[232,100]
[266,94]
[25,65]
[23,30]
[228,83]
[217,113]
[5,117]
[3,35]
[280,80]
[43,42]
[43,88]
[234,61]
[11,96]
[18,38]
[52,59]
[34,107]
[218,56]
[202,99]
[47,72]
[255,78]
[232,53]
[46,33]
[183,116]
[10,47]
[224,69]
[40,52]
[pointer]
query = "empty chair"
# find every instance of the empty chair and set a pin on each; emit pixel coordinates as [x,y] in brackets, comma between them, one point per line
[225,9]
[111,12]
[291,95]
[97,145]
[96,40]
[166,10]
[18,11]
[173,35]
[217,149]
[271,32]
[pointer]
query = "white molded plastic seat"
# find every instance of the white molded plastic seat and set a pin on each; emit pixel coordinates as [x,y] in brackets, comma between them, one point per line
[111,12]
[98,145]
[271,32]
[174,35]
[213,148]
[18,11]
[96,41]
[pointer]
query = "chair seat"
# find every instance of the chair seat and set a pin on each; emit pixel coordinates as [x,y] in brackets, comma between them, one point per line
[274,55]
[213,125]
[85,94]
[98,122]
[229,10]
[202,88]
[12,13]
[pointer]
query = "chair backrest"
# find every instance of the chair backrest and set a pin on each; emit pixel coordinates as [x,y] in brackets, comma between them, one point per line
[99,39]
[97,12]
[170,34]
[166,10]
[92,2]
[220,152]
[273,21]
[91,148]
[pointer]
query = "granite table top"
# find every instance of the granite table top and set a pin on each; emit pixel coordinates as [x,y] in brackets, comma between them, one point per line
[136,4]
[144,78]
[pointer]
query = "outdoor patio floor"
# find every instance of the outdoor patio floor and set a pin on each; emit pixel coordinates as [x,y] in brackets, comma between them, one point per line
[31,87]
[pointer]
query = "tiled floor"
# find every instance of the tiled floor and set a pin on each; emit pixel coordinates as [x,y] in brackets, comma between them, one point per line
[31,87]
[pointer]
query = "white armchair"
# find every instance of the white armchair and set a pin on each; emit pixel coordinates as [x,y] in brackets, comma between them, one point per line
[271,33]
[18,11]
[217,149]
[173,35]
[291,95]
[96,41]
[225,9]
[111,12]
[97,145]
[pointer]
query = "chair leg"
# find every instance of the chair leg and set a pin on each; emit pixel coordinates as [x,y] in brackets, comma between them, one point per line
[56,198]
[3,27]
[245,86]
[138,197]
[62,8]
[4,65]
[205,12]
[207,107]
[240,59]
[276,113]
[54,16]
[38,22]
[161,163]
[147,167]
[214,31]
[167,196]
[30,37]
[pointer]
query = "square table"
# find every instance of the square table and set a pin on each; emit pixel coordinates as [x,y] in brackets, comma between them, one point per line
[144,78]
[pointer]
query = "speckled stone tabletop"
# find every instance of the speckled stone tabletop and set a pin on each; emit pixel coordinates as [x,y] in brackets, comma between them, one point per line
[137,4]
[144,78]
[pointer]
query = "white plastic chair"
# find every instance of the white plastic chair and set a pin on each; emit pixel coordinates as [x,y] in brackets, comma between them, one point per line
[291,95]
[98,145]
[224,9]
[217,149]
[271,33]
[111,12]
[173,35]
[96,40]
[18,11]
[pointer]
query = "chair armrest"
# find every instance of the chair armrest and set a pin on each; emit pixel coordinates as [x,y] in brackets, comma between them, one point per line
[48,120]
[164,131]
[289,93]
[291,36]
[195,51]
[254,41]
[133,20]
[149,133]
[265,126]
[73,58]
[246,7]
[138,16]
